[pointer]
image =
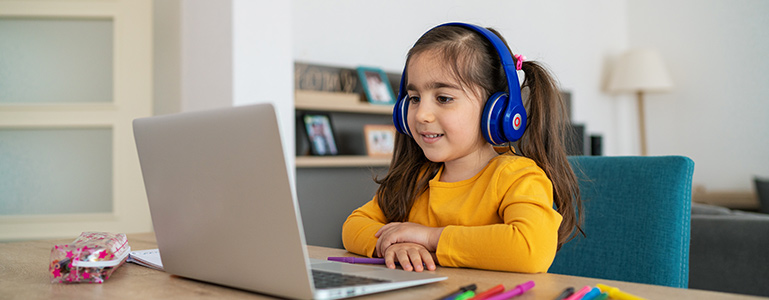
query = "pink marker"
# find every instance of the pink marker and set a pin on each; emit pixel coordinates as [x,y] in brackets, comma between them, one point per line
[580,293]
[518,290]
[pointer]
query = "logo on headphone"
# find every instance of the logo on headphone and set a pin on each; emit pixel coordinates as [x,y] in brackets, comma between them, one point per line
[517,121]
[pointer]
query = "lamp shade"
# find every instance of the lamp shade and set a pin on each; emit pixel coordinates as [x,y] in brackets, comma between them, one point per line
[640,70]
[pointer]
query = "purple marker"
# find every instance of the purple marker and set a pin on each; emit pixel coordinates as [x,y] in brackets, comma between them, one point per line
[359,260]
[518,290]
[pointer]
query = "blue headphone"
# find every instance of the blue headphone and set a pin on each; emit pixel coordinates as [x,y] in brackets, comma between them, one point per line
[503,119]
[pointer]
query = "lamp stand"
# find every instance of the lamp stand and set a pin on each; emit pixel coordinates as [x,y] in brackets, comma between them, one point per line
[641,122]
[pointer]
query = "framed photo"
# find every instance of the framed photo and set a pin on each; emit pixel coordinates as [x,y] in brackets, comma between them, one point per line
[380,140]
[320,134]
[376,85]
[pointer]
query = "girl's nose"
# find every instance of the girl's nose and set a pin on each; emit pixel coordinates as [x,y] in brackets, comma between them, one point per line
[424,113]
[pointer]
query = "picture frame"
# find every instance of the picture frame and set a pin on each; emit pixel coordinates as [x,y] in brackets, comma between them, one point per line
[320,134]
[380,140]
[376,86]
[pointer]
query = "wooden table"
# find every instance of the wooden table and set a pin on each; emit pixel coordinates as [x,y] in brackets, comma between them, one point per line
[24,275]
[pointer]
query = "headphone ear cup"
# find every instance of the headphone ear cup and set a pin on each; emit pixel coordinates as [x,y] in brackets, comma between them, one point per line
[493,117]
[514,121]
[400,112]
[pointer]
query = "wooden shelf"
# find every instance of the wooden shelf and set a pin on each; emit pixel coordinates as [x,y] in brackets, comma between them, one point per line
[337,102]
[341,161]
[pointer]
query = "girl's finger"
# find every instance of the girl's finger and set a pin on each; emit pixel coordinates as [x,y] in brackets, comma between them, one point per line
[379,232]
[427,258]
[381,246]
[389,259]
[403,259]
[416,260]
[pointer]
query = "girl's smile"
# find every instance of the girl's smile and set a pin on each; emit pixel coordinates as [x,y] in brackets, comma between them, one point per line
[430,138]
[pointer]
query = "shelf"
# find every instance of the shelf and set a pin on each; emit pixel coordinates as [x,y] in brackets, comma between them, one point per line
[341,161]
[345,103]
[337,102]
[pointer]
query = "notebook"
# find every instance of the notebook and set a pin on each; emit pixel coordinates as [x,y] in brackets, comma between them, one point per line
[224,210]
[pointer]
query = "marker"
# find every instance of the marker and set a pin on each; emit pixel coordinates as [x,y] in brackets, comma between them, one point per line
[359,260]
[615,293]
[490,292]
[465,295]
[580,293]
[602,296]
[594,292]
[518,290]
[566,293]
[461,290]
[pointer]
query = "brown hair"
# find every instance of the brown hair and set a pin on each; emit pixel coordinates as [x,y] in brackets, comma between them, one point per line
[475,64]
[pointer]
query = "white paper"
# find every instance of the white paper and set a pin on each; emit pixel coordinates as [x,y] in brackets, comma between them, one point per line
[149,258]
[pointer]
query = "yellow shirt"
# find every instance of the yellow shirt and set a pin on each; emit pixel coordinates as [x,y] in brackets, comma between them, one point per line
[501,219]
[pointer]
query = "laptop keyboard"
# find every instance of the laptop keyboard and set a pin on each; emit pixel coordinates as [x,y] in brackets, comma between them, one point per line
[331,280]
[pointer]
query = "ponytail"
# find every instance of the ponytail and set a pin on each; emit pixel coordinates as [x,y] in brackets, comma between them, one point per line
[545,142]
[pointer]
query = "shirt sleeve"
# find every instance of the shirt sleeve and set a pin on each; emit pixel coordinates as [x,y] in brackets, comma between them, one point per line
[525,242]
[359,229]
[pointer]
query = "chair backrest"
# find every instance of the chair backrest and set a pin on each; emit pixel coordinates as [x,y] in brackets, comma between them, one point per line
[636,220]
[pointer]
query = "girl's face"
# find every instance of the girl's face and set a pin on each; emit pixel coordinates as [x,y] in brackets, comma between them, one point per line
[443,115]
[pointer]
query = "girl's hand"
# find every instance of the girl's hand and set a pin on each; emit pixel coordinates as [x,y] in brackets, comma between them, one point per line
[396,232]
[411,256]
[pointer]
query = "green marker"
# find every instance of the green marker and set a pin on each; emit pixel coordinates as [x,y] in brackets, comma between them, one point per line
[465,295]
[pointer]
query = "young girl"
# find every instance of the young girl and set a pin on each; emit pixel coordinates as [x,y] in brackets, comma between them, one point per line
[449,198]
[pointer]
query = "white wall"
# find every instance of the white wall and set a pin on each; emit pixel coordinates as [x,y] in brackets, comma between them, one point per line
[718,111]
[263,67]
[221,53]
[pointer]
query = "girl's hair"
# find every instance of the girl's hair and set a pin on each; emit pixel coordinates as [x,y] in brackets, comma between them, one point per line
[474,62]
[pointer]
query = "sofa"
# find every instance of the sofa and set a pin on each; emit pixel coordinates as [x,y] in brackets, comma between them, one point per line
[729,250]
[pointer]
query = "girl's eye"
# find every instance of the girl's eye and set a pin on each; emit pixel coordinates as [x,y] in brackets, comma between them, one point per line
[444,99]
[414,99]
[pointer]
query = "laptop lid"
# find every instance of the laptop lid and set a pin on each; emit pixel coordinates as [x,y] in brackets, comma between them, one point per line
[218,205]
[223,208]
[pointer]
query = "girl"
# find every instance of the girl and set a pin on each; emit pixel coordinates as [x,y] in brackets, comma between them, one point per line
[449,198]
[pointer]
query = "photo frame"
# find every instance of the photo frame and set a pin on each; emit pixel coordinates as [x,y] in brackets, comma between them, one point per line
[320,134]
[376,86]
[380,140]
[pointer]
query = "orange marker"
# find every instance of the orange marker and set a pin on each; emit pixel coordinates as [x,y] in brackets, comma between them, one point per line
[491,292]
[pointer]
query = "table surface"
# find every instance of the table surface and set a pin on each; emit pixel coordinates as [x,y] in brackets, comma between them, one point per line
[24,275]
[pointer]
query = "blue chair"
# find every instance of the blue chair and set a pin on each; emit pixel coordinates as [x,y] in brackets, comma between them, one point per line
[636,220]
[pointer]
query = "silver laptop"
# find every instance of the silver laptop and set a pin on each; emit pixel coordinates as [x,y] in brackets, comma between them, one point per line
[224,210]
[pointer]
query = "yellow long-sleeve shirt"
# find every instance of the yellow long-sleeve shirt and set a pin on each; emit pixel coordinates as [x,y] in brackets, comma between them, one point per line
[500,219]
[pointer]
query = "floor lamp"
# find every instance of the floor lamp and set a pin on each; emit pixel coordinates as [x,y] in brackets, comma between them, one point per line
[640,71]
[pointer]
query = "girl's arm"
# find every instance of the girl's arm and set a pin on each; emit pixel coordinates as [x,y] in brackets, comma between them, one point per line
[361,226]
[402,232]
[359,235]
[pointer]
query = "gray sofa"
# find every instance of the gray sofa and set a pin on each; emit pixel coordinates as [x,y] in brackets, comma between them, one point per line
[729,250]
